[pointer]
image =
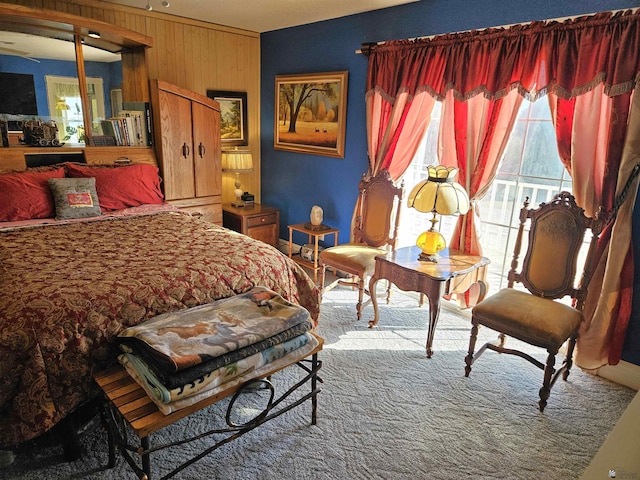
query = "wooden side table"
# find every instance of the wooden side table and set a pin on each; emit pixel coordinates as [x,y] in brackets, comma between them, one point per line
[454,273]
[314,237]
[256,221]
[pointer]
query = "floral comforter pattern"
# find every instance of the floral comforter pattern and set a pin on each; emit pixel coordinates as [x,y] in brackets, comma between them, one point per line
[68,290]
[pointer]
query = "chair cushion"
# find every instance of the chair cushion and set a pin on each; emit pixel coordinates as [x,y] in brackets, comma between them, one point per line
[353,258]
[538,321]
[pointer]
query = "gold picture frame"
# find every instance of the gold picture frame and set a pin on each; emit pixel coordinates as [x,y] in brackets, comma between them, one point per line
[233,116]
[311,113]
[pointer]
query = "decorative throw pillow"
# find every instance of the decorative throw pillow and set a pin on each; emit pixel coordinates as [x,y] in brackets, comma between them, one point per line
[75,197]
[122,187]
[26,195]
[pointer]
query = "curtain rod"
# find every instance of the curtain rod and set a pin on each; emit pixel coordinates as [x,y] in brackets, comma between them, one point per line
[558,19]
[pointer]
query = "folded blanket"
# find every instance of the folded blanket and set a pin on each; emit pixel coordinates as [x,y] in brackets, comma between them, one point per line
[181,339]
[194,373]
[214,388]
[209,379]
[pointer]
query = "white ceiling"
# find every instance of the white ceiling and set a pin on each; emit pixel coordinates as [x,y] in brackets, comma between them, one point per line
[253,15]
[263,15]
[31,46]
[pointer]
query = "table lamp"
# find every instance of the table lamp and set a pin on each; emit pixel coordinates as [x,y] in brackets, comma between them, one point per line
[237,161]
[438,194]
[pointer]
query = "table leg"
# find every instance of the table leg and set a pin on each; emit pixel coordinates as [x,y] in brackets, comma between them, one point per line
[374,301]
[315,258]
[436,290]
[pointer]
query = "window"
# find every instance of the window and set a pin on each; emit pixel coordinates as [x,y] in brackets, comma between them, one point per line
[65,106]
[530,167]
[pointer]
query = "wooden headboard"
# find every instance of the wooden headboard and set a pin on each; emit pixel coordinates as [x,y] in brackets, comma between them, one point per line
[14,159]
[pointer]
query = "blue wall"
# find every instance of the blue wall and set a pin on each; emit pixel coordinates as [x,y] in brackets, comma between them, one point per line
[294,182]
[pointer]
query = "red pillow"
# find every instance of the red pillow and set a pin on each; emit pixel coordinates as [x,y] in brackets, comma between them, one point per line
[122,187]
[26,195]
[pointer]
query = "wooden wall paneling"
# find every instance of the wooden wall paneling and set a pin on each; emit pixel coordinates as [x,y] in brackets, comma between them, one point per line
[171,61]
[161,50]
[137,86]
[190,55]
[216,68]
[207,61]
[227,61]
[152,53]
[178,51]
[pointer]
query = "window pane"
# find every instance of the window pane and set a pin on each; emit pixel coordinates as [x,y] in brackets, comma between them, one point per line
[530,167]
[513,153]
[540,109]
[497,205]
[541,157]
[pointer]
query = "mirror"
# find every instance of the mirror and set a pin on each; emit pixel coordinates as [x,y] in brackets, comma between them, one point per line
[39,79]
[71,82]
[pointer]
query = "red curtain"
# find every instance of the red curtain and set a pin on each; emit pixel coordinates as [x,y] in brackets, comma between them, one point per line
[568,58]
[473,136]
[564,59]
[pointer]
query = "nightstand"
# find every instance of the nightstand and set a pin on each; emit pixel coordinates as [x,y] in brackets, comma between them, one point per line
[256,221]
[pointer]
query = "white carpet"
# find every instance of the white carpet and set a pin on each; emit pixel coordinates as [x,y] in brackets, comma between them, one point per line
[388,412]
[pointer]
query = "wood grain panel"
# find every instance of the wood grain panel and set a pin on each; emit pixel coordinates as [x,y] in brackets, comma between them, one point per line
[13,159]
[206,151]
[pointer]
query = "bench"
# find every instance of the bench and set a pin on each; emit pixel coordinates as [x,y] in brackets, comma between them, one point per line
[128,408]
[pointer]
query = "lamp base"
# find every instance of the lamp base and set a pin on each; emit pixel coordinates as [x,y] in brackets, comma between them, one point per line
[430,242]
[426,257]
[239,204]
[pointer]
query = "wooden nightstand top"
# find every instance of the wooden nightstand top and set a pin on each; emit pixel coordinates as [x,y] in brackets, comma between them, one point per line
[255,209]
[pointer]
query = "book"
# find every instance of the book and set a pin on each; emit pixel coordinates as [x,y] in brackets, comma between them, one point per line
[136,119]
[144,107]
[107,129]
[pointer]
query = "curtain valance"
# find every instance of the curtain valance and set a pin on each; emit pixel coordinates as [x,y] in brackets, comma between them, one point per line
[566,58]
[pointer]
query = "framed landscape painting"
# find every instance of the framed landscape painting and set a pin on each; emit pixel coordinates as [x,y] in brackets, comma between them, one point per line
[311,112]
[233,116]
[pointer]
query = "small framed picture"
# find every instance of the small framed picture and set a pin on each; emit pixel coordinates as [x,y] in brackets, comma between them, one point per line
[233,116]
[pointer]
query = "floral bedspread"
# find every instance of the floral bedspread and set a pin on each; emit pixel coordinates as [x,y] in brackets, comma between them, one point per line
[68,290]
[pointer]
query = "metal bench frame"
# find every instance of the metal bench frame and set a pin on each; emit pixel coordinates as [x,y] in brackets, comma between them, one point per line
[127,408]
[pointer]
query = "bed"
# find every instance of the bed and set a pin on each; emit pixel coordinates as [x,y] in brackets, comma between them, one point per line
[72,281]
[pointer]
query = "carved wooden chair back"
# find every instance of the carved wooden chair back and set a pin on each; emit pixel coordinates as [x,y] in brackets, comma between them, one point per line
[548,273]
[375,231]
[377,214]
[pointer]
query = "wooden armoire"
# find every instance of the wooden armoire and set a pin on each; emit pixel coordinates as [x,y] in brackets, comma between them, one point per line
[188,145]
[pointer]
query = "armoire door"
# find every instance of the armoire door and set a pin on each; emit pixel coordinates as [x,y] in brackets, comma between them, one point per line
[206,150]
[177,146]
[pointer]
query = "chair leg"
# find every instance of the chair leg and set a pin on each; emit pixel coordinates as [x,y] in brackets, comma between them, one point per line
[549,370]
[360,297]
[472,346]
[569,358]
[323,271]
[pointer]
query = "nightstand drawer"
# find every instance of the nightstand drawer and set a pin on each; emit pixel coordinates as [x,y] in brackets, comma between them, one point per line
[257,221]
[265,219]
